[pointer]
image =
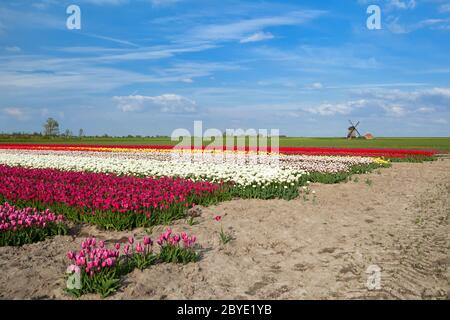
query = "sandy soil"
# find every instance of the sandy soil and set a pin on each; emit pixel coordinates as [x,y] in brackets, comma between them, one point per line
[398,219]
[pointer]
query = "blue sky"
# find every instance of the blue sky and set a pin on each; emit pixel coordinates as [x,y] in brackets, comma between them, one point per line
[151,66]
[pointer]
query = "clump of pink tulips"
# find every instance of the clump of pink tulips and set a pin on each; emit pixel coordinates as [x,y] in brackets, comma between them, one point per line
[28,225]
[177,248]
[99,268]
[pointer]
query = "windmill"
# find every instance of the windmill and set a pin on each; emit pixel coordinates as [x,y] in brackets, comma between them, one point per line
[353,131]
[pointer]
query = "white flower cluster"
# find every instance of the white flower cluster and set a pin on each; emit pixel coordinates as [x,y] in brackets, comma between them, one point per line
[309,163]
[324,164]
[242,174]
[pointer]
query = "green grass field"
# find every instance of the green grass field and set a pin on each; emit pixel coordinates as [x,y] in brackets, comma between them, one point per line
[442,144]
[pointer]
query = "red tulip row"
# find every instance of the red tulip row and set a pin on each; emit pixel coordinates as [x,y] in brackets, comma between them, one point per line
[366,152]
[103,198]
[362,152]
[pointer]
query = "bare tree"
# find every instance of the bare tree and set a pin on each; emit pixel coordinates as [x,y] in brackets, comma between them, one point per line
[80,133]
[68,133]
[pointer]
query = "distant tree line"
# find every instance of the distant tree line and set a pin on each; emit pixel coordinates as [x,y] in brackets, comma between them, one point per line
[51,129]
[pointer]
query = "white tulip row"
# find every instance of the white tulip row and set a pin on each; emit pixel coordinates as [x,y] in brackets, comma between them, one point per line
[309,163]
[242,174]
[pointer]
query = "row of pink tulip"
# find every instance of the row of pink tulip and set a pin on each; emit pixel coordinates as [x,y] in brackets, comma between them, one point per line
[141,199]
[12,218]
[27,225]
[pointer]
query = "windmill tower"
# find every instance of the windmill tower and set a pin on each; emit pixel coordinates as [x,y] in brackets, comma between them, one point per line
[353,131]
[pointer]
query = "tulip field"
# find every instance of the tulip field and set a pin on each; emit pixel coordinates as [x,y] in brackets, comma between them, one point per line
[45,189]
[123,187]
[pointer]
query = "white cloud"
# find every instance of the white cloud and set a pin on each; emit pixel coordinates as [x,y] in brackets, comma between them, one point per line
[398,103]
[13,49]
[106,2]
[119,41]
[396,27]
[331,109]
[237,30]
[391,4]
[394,109]
[315,58]
[259,36]
[445,7]
[444,92]
[43,4]
[391,102]
[399,4]
[16,113]
[94,73]
[167,103]
[159,3]
[316,85]
[440,121]
[14,19]
[283,82]
[426,110]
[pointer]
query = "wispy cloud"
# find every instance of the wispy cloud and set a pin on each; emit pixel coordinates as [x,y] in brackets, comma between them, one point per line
[16,113]
[13,49]
[441,121]
[237,30]
[390,5]
[106,2]
[316,85]
[166,103]
[12,19]
[256,37]
[115,40]
[401,102]
[391,102]
[159,3]
[355,57]
[425,110]
[445,7]
[401,4]
[90,74]
[395,26]
[331,109]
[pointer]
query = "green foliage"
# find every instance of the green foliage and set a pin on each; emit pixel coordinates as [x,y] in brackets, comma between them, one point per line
[413,159]
[177,254]
[32,234]
[105,283]
[272,191]
[191,221]
[224,237]
[143,261]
